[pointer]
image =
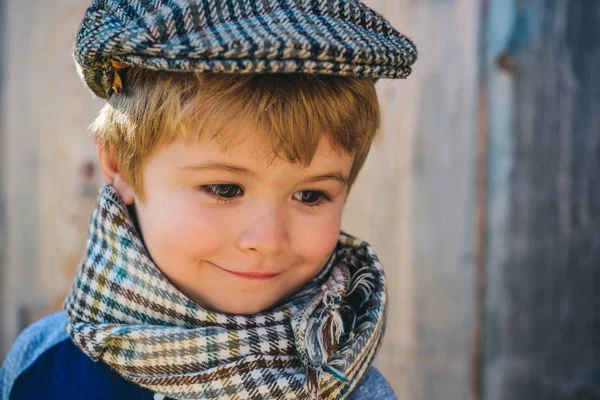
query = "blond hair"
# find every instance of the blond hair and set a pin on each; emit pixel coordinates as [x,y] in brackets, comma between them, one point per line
[297,110]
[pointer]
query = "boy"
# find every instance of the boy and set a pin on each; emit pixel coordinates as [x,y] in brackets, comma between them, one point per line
[215,265]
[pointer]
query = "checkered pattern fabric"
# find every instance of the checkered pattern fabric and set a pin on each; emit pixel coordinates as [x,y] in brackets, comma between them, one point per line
[341,37]
[317,344]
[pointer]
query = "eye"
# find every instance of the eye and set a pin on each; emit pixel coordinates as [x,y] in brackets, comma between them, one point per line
[222,191]
[311,198]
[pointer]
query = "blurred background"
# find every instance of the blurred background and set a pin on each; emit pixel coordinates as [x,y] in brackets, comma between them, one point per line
[482,195]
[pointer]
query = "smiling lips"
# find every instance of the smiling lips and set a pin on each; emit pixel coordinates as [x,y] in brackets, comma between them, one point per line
[250,275]
[254,275]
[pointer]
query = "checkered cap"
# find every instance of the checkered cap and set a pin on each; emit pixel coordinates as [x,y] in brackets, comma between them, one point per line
[339,37]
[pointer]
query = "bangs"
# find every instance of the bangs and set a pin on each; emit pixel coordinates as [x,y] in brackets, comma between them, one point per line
[296,111]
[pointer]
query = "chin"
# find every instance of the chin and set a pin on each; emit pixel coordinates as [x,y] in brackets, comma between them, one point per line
[245,307]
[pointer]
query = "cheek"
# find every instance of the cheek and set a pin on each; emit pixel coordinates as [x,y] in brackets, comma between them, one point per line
[316,237]
[178,230]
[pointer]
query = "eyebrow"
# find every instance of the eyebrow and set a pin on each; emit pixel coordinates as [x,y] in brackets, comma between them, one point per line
[333,176]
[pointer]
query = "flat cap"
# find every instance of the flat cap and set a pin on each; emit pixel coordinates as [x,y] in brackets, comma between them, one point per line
[339,37]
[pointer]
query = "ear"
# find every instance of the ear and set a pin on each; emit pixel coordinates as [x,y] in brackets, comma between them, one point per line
[110,169]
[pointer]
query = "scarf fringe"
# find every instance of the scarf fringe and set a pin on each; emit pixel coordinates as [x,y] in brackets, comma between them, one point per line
[324,333]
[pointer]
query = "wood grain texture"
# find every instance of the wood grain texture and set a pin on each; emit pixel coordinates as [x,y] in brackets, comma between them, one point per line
[21,153]
[544,307]
[3,230]
[414,201]
[379,211]
[47,111]
[444,196]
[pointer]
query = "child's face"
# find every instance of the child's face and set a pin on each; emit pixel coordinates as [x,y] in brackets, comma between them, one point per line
[235,233]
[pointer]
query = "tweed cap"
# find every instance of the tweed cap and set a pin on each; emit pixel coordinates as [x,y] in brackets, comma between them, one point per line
[339,37]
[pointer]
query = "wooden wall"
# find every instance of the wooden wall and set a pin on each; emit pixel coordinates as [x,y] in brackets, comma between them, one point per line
[486,172]
[45,148]
[414,200]
[3,230]
[543,303]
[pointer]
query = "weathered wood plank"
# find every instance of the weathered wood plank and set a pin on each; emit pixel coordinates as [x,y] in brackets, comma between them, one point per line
[544,307]
[47,110]
[444,196]
[21,154]
[3,248]
[414,201]
[378,211]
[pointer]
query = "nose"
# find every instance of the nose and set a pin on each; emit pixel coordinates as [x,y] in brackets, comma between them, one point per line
[265,231]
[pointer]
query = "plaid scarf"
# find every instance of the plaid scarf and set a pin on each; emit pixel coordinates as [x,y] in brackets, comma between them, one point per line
[317,344]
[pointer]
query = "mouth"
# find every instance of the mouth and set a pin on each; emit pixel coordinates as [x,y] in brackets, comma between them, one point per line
[260,276]
[254,275]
